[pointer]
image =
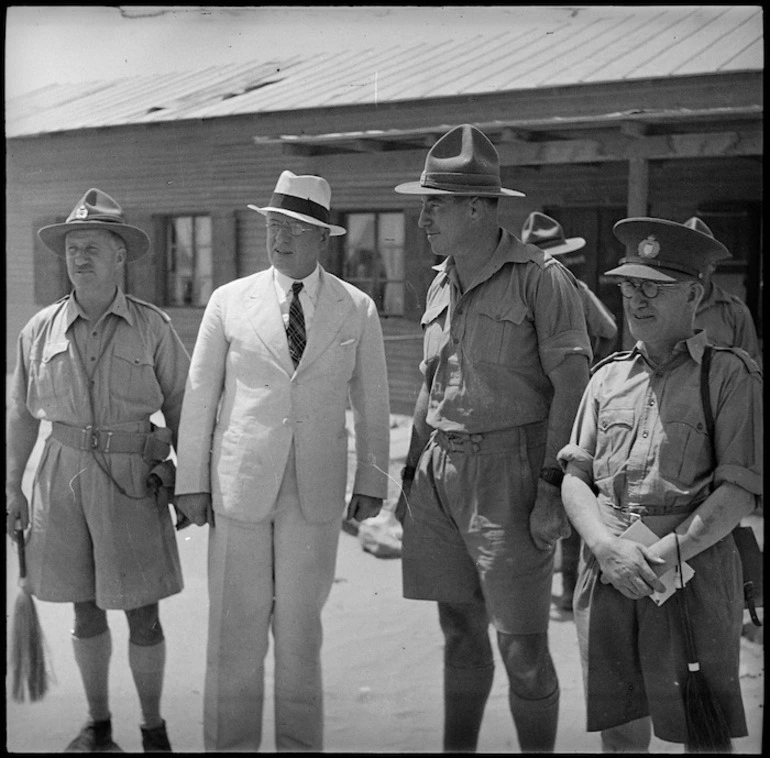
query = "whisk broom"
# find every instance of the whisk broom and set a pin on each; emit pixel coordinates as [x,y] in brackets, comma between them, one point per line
[27,645]
[707,729]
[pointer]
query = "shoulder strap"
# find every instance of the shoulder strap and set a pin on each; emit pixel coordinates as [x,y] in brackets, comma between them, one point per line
[620,355]
[705,392]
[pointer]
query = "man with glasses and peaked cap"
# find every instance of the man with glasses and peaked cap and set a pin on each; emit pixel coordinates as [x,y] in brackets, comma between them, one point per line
[640,458]
[263,459]
[97,364]
[506,358]
[724,316]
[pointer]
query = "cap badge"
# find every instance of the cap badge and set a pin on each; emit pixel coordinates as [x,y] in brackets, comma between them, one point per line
[649,248]
[81,212]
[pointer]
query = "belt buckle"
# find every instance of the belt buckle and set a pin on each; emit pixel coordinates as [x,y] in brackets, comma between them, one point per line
[90,437]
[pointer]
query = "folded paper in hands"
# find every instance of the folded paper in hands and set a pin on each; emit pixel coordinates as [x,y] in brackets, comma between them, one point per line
[641,533]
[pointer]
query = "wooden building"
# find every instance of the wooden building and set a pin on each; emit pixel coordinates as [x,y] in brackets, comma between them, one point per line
[597,114]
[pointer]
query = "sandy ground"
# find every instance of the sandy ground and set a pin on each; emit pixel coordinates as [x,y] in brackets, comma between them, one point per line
[382,666]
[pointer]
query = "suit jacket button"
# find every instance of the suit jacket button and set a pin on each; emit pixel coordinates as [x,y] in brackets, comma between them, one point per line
[286,422]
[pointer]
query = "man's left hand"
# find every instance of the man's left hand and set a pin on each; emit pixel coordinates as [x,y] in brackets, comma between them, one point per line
[363,507]
[548,521]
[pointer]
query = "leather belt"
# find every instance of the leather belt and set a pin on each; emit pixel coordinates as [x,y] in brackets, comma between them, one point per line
[497,441]
[106,441]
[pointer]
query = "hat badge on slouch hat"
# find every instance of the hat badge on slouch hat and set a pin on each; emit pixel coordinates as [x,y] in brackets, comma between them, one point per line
[305,198]
[664,251]
[547,234]
[96,210]
[462,162]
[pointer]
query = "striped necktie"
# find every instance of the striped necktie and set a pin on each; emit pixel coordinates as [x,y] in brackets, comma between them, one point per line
[295,331]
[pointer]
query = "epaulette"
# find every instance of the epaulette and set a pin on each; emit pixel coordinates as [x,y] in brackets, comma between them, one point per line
[153,307]
[748,361]
[621,355]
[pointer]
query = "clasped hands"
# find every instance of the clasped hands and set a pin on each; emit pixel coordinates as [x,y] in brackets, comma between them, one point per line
[630,567]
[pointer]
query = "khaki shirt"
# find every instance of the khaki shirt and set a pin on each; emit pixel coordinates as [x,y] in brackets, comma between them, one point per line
[487,351]
[727,321]
[132,359]
[640,431]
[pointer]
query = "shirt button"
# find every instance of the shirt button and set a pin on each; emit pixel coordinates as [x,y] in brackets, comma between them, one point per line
[94,334]
[645,435]
[93,358]
[652,402]
[286,422]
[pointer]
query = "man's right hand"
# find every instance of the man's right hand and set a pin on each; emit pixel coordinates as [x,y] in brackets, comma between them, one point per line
[403,501]
[197,507]
[17,513]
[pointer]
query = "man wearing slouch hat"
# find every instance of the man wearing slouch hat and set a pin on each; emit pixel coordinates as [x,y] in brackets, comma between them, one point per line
[505,360]
[96,365]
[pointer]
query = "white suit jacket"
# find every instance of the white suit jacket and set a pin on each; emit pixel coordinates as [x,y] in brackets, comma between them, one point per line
[245,405]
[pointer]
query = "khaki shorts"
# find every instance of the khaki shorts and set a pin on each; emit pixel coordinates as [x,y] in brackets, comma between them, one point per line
[89,542]
[633,651]
[467,527]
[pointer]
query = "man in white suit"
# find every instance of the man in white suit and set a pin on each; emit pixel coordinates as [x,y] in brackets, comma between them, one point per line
[262,458]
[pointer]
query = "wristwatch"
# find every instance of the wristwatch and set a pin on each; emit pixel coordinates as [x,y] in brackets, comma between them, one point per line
[407,473]
[552,475]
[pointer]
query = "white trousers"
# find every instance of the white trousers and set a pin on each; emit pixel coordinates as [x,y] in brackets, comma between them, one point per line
[273,574]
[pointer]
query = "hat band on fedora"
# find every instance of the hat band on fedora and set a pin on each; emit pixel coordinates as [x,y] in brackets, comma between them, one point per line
[300,205]
[664,265]
[458,181]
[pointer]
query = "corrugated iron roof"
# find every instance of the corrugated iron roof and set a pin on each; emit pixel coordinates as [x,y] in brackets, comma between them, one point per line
[590,45]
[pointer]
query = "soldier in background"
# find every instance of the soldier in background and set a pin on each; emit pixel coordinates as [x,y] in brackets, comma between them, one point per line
[725,317]
[548,234]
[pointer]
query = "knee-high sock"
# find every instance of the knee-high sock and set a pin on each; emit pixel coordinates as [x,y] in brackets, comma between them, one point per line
[465,696]
[536,721]
[92,655]
[147,664]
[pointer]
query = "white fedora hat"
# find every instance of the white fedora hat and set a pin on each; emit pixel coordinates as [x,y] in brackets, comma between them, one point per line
[306,198]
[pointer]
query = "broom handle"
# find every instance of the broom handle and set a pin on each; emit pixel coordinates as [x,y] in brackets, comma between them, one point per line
[22,559]
[692,656]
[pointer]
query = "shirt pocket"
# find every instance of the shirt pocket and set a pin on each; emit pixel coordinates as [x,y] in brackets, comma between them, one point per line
[51,369]
[684,453]
[493,333]
[133,375]
[432,322]
[614,433]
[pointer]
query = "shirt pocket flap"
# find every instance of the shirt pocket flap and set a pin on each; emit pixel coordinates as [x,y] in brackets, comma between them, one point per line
[132,354]
[514,312]
[52,349]
[432,313]
[616,417]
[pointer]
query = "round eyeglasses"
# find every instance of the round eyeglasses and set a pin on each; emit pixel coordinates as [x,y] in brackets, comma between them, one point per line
[648,288]
[293,227]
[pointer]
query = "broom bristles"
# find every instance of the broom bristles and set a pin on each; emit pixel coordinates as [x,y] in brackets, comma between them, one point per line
[707,729]
[27,651]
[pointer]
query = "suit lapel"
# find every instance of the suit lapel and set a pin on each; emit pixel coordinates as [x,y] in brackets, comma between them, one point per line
[331,311]
[264,313]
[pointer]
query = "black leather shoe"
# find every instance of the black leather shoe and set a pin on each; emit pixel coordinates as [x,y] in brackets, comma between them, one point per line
[155,740]
[94,737]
